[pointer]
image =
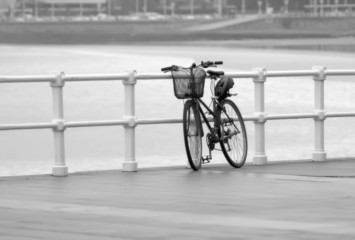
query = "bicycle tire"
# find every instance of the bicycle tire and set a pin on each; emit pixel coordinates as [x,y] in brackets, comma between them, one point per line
[234,148]
[192,134]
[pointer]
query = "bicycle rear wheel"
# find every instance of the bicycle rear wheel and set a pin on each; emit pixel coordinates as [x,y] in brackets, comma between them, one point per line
[192,134]
[235,143]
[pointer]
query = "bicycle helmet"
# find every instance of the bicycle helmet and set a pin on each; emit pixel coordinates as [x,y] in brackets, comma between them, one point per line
[223,86]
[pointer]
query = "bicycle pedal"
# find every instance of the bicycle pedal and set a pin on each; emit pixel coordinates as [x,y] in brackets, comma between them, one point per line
[206,160]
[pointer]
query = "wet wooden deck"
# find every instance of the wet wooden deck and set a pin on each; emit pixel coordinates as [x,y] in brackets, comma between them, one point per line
[279,201]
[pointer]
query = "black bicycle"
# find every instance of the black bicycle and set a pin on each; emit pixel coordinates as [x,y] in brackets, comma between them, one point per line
[228,128]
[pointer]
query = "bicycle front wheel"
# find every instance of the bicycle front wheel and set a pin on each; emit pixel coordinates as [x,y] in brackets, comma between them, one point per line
[192,134]
[234,142]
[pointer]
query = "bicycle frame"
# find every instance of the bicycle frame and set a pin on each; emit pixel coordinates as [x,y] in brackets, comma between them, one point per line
[213,130]
[215,104]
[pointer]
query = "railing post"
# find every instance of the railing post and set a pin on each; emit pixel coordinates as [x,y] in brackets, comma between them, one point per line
[319,153]
[260,157]
[130,164]
[60,168]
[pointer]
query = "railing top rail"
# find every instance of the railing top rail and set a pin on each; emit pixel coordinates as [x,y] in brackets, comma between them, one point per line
[292,73]
[345,72]
[95,77]
[158,76]
[253,74]
[67,78]
[150,76]
[27,78]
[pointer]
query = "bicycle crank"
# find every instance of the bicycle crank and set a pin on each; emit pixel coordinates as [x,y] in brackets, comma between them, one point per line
[210,141]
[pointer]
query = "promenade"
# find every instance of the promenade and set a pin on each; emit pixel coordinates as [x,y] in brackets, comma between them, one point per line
[302,200]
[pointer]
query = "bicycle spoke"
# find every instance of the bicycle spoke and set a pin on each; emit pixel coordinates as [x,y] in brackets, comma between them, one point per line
[192,136]
[234,146]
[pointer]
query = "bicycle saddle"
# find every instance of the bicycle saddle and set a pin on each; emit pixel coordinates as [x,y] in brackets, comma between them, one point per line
[215,73]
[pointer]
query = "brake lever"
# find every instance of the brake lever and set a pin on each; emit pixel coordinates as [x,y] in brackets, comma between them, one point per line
[206,64]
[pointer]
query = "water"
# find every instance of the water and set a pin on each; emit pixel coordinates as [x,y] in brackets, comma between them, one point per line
[321,47]
[31,151]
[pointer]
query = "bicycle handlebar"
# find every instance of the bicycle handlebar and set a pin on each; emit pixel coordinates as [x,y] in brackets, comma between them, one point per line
[166,69]
[210,63]
[203,64]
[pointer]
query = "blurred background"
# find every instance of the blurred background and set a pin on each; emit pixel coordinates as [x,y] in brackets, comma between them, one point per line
[112,21]
[115,36]
[116,8]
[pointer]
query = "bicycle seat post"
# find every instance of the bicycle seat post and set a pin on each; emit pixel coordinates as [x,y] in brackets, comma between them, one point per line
[213,79]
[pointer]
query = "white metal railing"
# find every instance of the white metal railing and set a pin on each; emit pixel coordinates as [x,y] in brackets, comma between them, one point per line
[129,121]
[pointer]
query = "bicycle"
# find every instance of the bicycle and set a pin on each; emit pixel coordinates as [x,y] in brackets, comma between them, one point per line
[228,125]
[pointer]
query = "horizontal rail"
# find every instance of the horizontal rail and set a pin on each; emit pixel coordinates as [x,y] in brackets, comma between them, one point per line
[101,123]
[294,73]
[340,72]
[95,123]
[27,79]
[242,74]
[75,124]
[154,76]
[96,77]
[23,126]
[158,121]
[159,76]
[343,114]
[291,116]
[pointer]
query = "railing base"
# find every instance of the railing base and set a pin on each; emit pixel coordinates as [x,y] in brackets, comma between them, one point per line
[260,160]
[60,171]
[129,166]
[319,156]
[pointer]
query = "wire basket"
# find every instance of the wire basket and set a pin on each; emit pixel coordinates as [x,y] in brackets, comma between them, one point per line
[189,83]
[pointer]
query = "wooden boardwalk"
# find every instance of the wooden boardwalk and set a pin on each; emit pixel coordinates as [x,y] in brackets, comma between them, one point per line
[279,201]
